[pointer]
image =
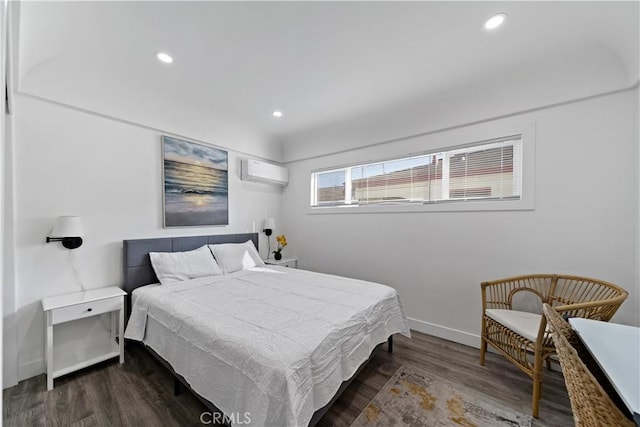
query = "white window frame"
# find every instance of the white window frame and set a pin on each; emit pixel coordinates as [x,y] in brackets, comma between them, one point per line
[347,186]
[525,152]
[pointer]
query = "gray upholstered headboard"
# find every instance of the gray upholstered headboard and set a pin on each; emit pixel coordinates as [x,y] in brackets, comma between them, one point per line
[137,266]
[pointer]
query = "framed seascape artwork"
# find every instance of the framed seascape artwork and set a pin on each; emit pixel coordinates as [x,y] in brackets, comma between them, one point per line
[196,184]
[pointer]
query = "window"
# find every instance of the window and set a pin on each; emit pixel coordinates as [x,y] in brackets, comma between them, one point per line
[490,170]
[331,187]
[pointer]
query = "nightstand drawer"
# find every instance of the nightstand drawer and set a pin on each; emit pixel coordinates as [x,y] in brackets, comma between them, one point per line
[86,309]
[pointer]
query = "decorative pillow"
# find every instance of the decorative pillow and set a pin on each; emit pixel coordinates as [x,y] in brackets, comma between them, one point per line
[236,256]
[179,266]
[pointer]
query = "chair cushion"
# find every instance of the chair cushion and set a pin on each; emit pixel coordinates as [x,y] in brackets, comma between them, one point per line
[521,322]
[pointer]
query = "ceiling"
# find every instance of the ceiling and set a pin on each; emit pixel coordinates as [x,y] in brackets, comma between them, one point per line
[317,62]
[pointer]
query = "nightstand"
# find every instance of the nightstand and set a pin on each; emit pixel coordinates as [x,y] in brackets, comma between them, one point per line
[64,359]
[284,262]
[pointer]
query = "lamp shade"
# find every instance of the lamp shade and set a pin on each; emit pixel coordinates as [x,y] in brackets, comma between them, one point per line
[269,224]
[68,226]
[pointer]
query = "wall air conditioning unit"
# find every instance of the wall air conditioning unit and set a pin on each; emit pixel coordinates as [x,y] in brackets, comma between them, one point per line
[259,171]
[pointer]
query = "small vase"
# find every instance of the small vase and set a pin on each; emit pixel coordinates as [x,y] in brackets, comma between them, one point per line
[277,256]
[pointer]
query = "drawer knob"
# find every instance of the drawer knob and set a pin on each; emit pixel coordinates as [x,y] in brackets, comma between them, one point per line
[89,309]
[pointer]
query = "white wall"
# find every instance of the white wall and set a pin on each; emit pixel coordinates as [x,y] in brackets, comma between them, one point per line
[3,134]
[560,77]
[69,162]
[9,335]
[9,338]
[637,133]
[436,260]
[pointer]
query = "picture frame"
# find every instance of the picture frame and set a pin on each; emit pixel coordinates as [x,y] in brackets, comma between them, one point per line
[195,184]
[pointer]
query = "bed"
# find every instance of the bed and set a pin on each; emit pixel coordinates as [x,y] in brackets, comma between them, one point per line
[268,344]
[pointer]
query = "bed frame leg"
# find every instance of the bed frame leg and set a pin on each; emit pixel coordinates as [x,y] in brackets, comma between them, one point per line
[177,387]
[390,344]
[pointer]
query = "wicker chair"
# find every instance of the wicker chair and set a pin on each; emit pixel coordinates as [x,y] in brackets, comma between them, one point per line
[520,336]
[590,402]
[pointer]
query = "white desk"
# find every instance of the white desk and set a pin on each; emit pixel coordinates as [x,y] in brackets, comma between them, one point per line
[616,348]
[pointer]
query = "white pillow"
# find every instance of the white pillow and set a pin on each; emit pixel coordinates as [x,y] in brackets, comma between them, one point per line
[179,266]
[236,256]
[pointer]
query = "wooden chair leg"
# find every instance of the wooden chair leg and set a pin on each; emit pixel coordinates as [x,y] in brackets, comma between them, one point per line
[483,350]
[537,384]
[535,401]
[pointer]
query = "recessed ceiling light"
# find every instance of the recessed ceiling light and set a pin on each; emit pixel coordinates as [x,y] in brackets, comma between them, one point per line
[164,57]
[277,113]
[495,21]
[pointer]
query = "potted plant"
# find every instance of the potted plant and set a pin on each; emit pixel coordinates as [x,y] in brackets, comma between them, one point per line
[282,242]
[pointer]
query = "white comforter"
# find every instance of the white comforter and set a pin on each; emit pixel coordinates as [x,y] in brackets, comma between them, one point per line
[274,343]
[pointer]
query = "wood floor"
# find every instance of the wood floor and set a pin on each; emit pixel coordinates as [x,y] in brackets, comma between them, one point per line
[140,392]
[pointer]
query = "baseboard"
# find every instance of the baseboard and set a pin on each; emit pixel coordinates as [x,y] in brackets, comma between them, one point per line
[440,331]
[30,369]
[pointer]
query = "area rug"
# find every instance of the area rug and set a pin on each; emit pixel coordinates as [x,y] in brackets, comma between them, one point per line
[415,398]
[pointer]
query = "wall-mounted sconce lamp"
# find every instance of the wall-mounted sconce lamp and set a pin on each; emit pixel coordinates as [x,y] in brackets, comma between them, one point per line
[68,230]
[269,225]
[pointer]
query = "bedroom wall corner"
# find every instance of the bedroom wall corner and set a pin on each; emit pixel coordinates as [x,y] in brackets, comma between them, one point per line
[637,135]
[9,315]
[9,346]
[73,162]
[3,137]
